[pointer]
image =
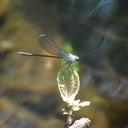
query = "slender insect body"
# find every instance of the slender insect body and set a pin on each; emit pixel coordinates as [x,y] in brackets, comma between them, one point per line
[51,47]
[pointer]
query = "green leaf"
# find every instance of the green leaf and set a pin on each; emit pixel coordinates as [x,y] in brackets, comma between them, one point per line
[68,83]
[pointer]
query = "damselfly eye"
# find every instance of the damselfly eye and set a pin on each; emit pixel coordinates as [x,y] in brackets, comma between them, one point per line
[77,59]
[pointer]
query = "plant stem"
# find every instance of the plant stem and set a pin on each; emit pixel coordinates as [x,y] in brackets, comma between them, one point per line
[69,117]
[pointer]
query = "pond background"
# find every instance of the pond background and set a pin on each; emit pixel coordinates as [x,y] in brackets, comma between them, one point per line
[29,96]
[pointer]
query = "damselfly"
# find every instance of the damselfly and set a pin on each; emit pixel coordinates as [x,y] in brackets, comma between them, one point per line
[51,47]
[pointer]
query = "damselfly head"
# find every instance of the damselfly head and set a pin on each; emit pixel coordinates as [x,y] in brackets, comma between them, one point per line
[72,58]
[77,58]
